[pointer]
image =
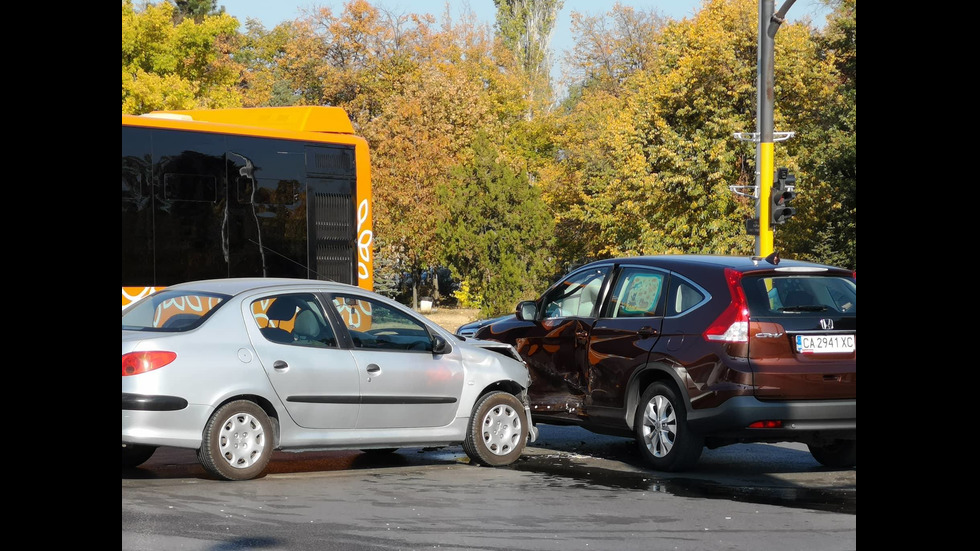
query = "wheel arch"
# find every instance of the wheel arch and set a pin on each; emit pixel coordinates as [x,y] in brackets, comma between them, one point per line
[646,376]
[508,386]
[266,406]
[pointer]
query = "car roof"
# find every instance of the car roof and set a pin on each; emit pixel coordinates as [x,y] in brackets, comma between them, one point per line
[738,263]
[236,285]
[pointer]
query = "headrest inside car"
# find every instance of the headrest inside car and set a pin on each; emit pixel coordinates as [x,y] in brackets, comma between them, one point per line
[284,308]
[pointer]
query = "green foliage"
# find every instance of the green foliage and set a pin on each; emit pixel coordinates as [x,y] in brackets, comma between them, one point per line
[825,226]
[171,62]
[526,28]
[196,9]
[465,296]
[497,231]
[648,153]
[638,159]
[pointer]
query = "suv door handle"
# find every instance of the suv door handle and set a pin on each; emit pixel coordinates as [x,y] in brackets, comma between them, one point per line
[646,332]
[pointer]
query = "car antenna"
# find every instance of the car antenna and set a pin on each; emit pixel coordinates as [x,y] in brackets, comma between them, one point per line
[773,259]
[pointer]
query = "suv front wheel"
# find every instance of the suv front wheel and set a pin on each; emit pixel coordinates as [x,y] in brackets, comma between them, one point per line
[662,434]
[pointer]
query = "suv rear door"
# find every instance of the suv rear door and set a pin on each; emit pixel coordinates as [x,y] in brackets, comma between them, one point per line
[629,324]
[802,333]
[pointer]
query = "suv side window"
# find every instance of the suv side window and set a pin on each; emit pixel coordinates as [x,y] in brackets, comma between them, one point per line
[683,296]
[575,296]
[637,294]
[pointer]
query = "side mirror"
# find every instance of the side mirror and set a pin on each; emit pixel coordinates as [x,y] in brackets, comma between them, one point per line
[527,310]
[440,345]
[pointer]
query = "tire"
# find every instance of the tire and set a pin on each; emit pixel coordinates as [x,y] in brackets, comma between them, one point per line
[497,431]
[837,454]
[662,435]
[237,442]
[134,455]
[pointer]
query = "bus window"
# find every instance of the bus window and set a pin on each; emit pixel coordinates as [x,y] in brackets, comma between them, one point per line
[256,192]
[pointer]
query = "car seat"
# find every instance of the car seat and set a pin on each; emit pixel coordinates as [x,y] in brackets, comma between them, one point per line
[799,298]
[306,330]
[283,309]
[589,295]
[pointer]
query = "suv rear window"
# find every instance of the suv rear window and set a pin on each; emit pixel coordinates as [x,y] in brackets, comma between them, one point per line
[772,296]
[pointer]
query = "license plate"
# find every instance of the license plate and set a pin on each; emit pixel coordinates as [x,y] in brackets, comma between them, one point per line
[824,344]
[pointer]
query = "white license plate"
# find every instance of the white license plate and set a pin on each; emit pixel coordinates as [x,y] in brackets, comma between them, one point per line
[824,344]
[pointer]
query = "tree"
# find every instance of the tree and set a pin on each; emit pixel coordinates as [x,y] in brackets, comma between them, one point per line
[825,227]
[497,231]
[265,83]
[196,9]
[169,62]
[647,147]
[609,48]
[526,28]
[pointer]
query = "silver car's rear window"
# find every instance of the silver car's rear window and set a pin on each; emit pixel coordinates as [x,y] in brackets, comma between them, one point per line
[171,311]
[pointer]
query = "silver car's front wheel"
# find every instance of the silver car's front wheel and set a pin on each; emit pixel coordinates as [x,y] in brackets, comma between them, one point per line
[662,434]
[237,442]
[498,430]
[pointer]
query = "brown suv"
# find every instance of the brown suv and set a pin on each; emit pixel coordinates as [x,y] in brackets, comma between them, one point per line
[687,351]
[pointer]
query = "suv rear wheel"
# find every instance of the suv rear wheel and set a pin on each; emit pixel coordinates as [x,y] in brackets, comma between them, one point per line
[662,434]
[837,454]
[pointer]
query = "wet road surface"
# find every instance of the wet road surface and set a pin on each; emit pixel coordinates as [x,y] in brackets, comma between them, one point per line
[571,490]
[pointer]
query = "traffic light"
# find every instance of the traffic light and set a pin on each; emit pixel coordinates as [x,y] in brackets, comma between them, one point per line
[782,193]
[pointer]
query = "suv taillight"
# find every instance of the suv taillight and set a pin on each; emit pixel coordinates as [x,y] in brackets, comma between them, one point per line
[135,363]
[733,324]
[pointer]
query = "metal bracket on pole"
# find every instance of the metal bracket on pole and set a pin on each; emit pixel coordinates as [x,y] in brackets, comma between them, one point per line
[738,191]
[754,136]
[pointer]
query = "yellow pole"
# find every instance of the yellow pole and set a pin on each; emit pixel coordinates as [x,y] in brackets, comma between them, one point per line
[765,201]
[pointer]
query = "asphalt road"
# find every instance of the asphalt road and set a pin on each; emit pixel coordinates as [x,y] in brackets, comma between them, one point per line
[571,490]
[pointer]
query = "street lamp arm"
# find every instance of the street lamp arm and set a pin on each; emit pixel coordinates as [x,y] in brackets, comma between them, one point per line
[779,18]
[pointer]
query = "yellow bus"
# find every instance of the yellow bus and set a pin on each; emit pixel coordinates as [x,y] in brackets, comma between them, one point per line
[264,192]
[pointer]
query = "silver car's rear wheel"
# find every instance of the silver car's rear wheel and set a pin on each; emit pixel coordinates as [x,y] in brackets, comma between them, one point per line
[497,431]
[136,454]
[664,439]
[237,441]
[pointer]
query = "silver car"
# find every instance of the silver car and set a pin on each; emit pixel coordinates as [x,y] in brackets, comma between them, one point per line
[237,368]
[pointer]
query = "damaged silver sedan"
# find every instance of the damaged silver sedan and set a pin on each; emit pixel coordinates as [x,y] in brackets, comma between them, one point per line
[237,368]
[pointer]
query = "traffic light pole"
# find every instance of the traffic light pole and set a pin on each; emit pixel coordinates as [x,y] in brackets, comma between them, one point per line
[768,25]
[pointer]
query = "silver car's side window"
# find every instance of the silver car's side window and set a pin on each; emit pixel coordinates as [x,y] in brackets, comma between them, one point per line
[294,319]
[376,326]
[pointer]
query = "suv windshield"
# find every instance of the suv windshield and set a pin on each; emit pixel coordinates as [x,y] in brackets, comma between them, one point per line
[798,293]
[171,311]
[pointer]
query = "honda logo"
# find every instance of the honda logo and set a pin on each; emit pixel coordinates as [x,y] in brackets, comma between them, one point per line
[826,324]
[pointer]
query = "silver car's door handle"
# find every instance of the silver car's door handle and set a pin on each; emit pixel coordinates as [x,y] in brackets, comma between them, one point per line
[279,364]
[373,369]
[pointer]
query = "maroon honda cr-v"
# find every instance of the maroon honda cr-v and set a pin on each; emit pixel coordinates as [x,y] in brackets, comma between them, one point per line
[687,351]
